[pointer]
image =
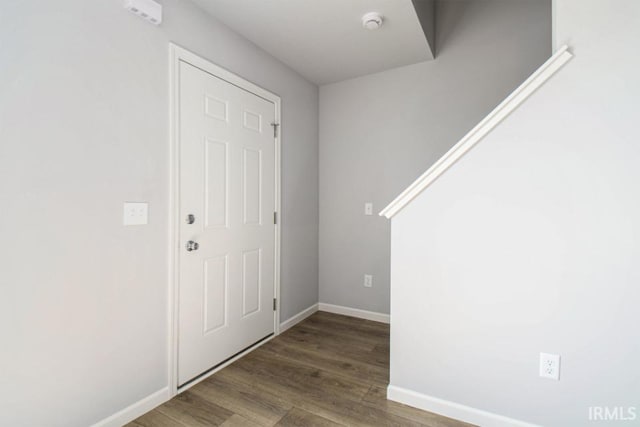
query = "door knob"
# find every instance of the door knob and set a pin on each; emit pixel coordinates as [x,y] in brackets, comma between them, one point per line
[192,246]
[191,219]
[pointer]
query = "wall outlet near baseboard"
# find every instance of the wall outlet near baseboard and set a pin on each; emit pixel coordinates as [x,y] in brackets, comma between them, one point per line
[368,281]
[550,366]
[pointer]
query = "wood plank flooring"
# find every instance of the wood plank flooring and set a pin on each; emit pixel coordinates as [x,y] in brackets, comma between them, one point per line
[328,370]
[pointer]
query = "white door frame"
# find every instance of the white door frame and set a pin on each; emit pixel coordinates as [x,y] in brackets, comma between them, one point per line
[176,55]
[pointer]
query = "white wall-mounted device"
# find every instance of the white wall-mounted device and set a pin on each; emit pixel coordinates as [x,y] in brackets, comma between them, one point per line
[550,366]
[368,208]
[135,213]
[146,9]
[372,21]
[368,281]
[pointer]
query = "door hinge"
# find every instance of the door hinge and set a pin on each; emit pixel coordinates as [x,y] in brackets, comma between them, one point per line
[275,304]
[275,129]
[275,217]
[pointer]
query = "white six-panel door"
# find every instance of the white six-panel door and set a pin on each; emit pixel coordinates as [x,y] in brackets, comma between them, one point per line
[227,183]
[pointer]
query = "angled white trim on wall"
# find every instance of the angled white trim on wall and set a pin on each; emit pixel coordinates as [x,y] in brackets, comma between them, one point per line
[537,79]
[354,312]
[452,409]
[297,318]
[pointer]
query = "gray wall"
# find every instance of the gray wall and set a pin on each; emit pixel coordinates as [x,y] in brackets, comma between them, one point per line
[379,132]
[426,11]
[531,243]
[84,127]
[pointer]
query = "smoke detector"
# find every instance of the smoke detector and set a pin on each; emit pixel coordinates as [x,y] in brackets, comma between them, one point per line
[372,21]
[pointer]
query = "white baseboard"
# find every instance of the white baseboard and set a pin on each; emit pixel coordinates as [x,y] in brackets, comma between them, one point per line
[293,320]
[135,410]
[354,312]
[451,409]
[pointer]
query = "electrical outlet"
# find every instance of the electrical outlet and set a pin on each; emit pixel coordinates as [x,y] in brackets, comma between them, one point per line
[550,366]
[368,281]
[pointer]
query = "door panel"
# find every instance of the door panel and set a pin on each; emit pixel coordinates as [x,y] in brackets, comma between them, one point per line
[214,296]
[252,191]
[227,181]
[251,282]
[215,180]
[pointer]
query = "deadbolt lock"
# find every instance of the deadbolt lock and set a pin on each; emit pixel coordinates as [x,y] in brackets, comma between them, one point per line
[192,246]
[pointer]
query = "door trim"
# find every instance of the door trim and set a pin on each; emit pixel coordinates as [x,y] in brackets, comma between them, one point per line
[176,55]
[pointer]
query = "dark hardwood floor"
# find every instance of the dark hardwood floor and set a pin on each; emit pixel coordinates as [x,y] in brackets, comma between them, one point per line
[328,370]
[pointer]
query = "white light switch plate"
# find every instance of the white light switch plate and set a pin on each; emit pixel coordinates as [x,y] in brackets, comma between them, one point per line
[368,208]
[135,213]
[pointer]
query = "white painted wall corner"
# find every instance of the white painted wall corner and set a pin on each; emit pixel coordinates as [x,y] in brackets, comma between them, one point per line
[295,319]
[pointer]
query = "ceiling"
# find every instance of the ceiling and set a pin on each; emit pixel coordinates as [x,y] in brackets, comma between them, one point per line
[323,39]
